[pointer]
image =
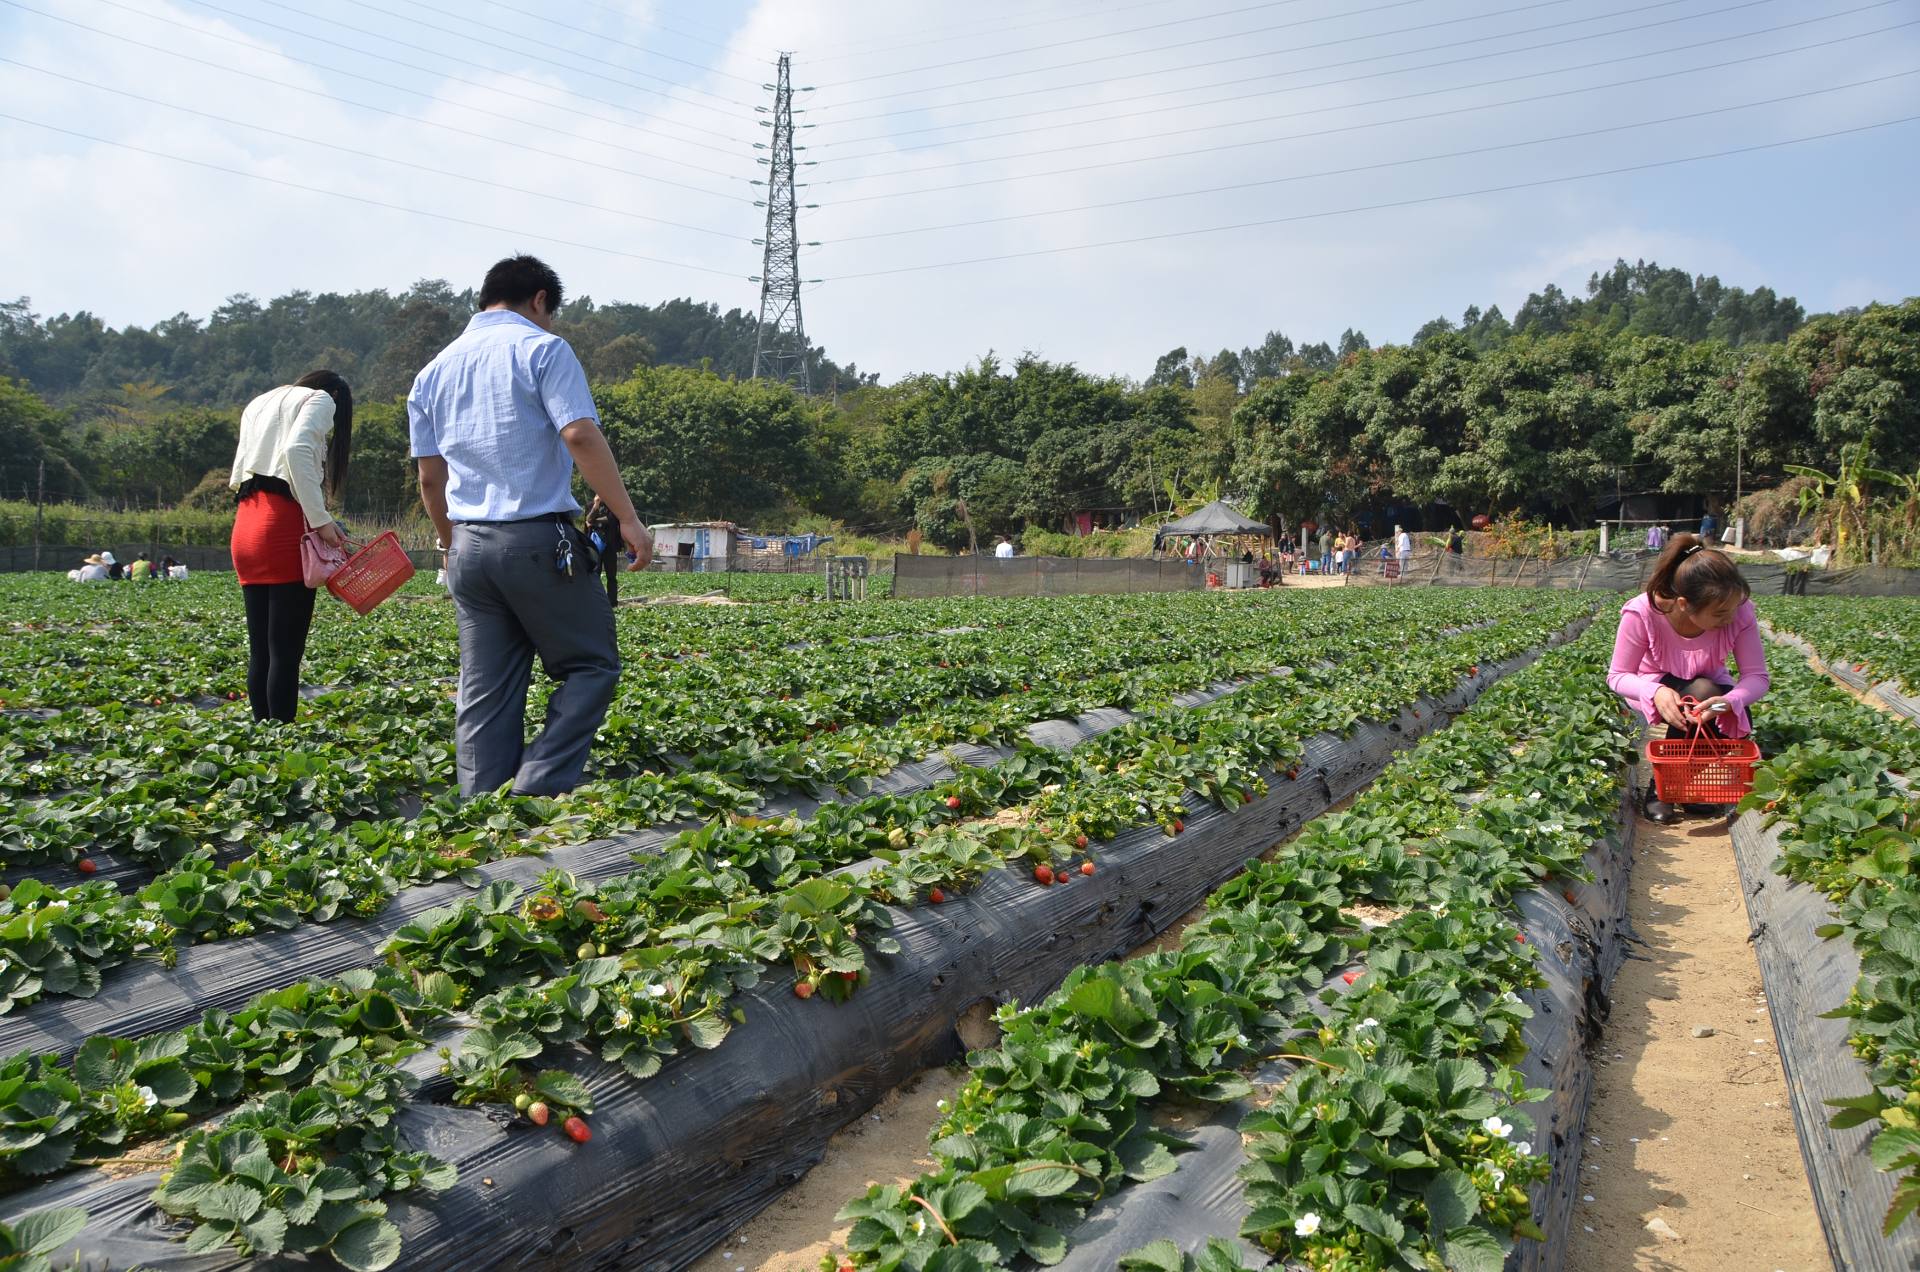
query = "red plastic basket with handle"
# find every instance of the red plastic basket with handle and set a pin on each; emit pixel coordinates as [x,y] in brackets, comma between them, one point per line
[372,574]
[1702,769]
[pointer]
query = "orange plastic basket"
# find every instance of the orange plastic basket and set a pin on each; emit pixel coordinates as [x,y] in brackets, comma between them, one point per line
[1702,769]
[372,574]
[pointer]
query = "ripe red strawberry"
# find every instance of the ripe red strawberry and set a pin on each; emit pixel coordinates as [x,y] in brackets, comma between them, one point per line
[577,1129]
[1416,714]
[86,865]
[1043,874]
[538,1113]
[1520,937]
[233,697]
[1246,797]
[803,989]
[1080,842]
[1293,774]
[1349,977]
[936,896]
[1062,875]
[849,976]
[953,802]
[1086,867]
[1473,670]
[833,728]
[1568,894]
[1178,825]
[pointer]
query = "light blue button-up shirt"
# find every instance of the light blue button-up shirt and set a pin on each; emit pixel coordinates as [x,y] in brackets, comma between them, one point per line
[492,405]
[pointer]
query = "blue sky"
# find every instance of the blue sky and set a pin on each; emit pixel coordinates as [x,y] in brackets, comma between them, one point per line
[616,139]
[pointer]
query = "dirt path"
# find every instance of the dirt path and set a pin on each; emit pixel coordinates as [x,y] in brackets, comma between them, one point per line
[1691,1134]
[887,1145]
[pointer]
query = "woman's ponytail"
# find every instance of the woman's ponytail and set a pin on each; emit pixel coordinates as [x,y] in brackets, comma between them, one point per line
[1692,571]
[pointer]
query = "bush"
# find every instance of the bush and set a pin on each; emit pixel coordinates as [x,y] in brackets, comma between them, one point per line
[75,525]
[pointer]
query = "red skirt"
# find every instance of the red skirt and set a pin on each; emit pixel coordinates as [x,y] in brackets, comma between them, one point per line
[266,539]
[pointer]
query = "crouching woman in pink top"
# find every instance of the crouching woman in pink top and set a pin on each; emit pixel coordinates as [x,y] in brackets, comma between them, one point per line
[1674,640]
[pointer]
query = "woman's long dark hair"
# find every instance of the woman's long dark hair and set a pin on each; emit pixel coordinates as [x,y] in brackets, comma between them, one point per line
[340,448]
[1702,575]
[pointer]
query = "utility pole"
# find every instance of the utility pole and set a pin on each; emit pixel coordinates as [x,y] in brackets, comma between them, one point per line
[780,341]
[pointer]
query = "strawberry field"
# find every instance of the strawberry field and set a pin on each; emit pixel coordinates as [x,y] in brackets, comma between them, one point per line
[270,992]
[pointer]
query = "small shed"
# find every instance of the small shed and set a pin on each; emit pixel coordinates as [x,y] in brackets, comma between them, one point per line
[690,541]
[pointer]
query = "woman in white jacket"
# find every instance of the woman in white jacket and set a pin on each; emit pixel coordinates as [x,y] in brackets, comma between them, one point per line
[292,459]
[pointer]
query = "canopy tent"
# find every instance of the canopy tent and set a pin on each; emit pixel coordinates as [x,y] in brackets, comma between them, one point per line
[1214,520]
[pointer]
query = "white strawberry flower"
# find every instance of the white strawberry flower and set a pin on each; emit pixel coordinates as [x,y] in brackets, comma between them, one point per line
[1498,1176]
[1369,1023]
[623,1019]
[919,1225]
[1523,1149]
[147,1098]
[725,863]
[656,991]
[1306,1225]
[144,926]
[1496,1128]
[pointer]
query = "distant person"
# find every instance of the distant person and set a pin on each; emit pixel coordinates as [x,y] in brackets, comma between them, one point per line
[141,569]
[1246,556]
[1709,528]
[1326,551]
[1402,546]
[1003,550]
[1656,538]
[290,461]
[115,570]
[1456,542]
[1674,640]
[92,570]
[172,569]
[498,421]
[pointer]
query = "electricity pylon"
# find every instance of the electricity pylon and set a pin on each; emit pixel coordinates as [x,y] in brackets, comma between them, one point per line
[780,343]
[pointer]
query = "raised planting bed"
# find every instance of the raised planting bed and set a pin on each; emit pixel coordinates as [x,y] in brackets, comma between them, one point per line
[716,1130]
[1824,847]
[1393,1010]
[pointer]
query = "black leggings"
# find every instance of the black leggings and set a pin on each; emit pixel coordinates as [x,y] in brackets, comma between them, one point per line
[278,616]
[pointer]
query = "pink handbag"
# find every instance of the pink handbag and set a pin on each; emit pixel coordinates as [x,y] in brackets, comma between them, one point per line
[319,559]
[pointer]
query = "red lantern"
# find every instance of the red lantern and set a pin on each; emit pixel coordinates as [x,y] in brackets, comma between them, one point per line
[1481,521]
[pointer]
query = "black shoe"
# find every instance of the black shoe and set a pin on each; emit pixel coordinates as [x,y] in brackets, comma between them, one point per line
[1710,810]
[1658,810]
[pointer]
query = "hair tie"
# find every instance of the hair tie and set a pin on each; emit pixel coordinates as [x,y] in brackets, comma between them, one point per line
[1690,549]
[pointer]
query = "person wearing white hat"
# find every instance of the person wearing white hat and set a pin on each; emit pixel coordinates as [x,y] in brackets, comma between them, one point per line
[92,570]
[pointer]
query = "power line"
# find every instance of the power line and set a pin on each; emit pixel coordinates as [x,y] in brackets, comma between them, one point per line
[427,123]
[502,48]
[409,164]
[595,36]
[1155,26]
[1297,88]
[363,199]
[866,48]
[1108,81]
[627,16]
[1392,163]
[1282,26]
[1298,136]
[544,100]
[1381,207]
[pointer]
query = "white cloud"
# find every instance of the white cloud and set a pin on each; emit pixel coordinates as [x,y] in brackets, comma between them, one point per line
[137,238]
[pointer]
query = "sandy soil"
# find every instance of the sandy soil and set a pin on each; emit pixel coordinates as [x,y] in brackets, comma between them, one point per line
[887,1145]
[1691,1134]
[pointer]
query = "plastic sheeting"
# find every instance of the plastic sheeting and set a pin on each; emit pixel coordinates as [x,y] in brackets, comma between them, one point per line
[1581,945]
[716,1136]
[1804,976]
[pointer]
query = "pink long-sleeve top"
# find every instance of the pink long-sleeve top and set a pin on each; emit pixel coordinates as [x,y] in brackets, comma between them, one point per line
[1648,648]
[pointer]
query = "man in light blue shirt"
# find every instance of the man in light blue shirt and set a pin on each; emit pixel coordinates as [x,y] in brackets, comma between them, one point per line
[498,421]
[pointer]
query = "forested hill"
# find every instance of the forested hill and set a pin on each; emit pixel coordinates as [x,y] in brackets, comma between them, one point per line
[376,339]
